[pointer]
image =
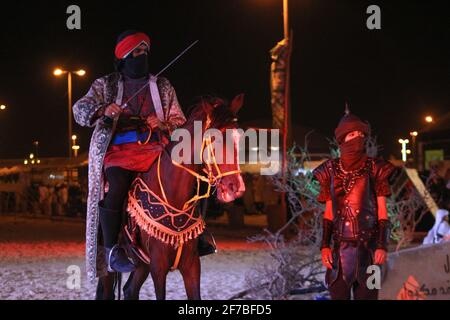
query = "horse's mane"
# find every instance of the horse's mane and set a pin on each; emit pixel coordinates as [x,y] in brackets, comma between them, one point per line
[221,115]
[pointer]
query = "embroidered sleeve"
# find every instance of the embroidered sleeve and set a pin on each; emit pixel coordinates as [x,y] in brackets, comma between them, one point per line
[383,170]
[323,176]
[173,114]
[88,109]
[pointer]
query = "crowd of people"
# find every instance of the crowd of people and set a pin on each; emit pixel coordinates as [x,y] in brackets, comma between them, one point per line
[57,200]
[439,187]
[27,193]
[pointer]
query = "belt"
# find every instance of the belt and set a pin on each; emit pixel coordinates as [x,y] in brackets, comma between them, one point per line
[132,136]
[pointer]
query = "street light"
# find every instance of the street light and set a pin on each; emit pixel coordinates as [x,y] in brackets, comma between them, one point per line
[2,107]
[32,158]
[57,72]
[36,145]
[429,119]
[414,135]
[404,142]
[80,72]
[75,147]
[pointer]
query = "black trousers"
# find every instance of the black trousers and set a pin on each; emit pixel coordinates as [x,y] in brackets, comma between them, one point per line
[119,181]
[340,290]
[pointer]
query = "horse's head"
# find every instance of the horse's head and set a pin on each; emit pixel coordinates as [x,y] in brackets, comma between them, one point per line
[221,159]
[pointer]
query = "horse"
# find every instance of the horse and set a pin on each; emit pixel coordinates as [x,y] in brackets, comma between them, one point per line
[172,183]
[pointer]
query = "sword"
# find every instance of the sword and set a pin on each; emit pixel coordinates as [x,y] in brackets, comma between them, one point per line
[162,70]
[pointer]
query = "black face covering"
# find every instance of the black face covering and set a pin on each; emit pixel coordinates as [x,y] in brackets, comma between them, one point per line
[135,67]
[353,153]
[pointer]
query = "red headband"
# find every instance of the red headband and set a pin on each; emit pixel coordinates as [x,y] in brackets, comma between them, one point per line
[129,43]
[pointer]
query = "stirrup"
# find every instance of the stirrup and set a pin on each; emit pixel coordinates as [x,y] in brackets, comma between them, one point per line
[127,268]
[209,247]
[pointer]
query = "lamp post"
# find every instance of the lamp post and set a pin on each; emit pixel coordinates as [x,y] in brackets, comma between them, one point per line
[286,18]
[287,107]
[75,147]
[58,72]
[33,161]
[413,135]
[2,107]
[280,56]
[429,120]
[36,148]
[404,142]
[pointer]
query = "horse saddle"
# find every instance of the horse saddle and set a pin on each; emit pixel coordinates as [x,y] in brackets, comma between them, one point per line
[132,237]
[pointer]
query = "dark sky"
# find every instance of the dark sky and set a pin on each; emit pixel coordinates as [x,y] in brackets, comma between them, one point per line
[391,77]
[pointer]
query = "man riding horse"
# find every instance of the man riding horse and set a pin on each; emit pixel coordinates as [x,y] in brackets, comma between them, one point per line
[126,140]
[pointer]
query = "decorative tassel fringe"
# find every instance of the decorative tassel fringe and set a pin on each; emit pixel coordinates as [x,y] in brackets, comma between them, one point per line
[153,229]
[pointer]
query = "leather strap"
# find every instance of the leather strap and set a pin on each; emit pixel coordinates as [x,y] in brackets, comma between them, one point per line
[154,92]
[327,231]
[332,193]
[177,258]
[119,92]
[383,234]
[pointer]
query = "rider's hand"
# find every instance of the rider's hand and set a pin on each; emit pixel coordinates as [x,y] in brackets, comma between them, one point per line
[380,256]
[327,258]
[153,122]
[113,110]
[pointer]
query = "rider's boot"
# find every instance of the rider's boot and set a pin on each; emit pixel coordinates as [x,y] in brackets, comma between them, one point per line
[116,257]
[206,244]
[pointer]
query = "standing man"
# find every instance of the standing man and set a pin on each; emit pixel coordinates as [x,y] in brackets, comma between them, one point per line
[354,188]
[125,141]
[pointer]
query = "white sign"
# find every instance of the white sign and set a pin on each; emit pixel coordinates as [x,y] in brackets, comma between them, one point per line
[421,273]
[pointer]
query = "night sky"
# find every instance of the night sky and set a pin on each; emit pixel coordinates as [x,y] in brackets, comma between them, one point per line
[391,77]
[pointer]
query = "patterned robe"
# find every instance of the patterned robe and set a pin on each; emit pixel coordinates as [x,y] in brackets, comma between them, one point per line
[104,91]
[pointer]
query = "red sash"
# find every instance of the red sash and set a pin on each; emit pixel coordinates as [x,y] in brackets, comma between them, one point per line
[132,156]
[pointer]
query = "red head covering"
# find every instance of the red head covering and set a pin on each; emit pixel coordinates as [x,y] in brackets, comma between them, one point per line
[349,123]
[129,43]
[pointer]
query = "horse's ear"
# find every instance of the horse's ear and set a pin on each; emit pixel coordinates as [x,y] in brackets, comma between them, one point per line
[207,107]
[237,103]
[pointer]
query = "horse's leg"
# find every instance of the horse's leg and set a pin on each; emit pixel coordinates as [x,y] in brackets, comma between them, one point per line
[126,286]
[105,287]
[160,254]
[99,291]
[135,282]
[190,270]
[159,276]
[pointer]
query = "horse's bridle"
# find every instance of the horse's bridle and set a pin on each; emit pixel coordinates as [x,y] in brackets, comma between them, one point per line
[210,178]
[210,163]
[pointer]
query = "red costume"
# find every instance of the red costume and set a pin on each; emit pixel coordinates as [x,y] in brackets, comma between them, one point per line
[352,184]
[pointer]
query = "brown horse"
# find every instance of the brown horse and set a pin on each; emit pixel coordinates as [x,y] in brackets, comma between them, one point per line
[178,184]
